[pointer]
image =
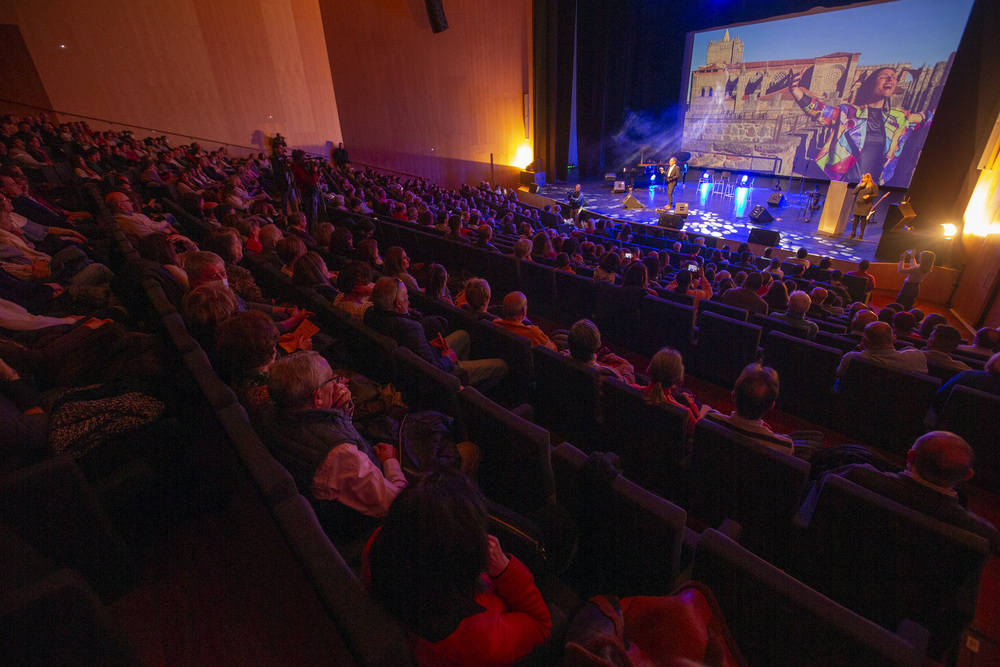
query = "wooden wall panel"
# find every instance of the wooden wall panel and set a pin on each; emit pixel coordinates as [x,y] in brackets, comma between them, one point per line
[221,69]
[432,104]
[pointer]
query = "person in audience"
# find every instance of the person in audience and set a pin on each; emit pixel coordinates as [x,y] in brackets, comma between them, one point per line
[798,304]
[755,393]
[162,252]
[562,263]
[477,299]
[903,325]
[986,342]
[310,432]
[204,308]
[607,269]
[225,242]
[295,225]
[541,247]
[522,249]
[484,234]
[246,344]
[942,342]
[135,225]
[987,380]
[862,272]
[776,297]
[800,258]
[877,346]
[82,171]
[354,283]
[396,264]
[437,284]
[861,319]
[324,232]
[745,297]
[310,270]
[288,250]
[817,297]
[584,345]
[434,566]
[390,316]
[666,380]
[515,310]
[455,230]
[342,243]
[774,268]
[936,465]
[367,252]
[636,281]
[928,324]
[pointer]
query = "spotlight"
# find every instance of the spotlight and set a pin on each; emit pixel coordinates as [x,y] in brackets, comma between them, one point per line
[949,230]
[704,176]
[743,181]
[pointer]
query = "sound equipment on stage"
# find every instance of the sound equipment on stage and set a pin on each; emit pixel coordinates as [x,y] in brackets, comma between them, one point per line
[775,200]
[761,215]
[533,188]
[681,208]
[631,202]
[435,12]
[670,221]
[765,237]
[619,187]
[898,216]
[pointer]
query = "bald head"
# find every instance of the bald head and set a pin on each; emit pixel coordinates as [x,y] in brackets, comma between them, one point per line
[862,319]
[941,458]
[818,295]
[798,302]
[515,306]
[878,336]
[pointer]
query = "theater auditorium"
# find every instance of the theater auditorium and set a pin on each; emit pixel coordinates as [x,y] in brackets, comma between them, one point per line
[536,332]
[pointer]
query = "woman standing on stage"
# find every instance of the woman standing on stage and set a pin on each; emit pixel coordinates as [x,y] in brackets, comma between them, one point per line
[915,273]
[864,199]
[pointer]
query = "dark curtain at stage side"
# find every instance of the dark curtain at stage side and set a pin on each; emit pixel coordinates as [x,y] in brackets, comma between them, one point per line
[631,53]
[553,84]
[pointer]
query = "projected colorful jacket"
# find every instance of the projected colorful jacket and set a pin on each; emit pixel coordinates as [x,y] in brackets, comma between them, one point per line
[850,122]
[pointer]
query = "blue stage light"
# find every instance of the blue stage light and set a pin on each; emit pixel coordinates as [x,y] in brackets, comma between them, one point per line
[652,177]
[744,179]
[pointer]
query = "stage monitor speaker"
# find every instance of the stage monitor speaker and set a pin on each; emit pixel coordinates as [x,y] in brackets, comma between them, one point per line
[765,237]
[631,202]
[898,216]
[681,208]
[775,200]
[619,187]
[761,215]
[670,221]
[435,12]
[527,177]
[533,188]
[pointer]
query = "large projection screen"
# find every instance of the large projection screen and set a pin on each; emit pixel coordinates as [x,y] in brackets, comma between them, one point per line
[829,95]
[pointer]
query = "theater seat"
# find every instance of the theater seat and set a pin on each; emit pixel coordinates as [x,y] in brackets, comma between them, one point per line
[777,620]
[975,415]
[725,347]
[807,372]
[567,398]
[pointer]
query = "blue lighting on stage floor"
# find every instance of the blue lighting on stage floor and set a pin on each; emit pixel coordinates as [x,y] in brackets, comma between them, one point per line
[742,195]
[704,191]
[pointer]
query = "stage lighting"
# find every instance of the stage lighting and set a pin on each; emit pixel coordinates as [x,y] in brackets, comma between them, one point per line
[704,176]
[652,178]
[949,230]
[743,181]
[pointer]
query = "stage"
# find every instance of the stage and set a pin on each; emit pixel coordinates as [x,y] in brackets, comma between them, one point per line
[727,216]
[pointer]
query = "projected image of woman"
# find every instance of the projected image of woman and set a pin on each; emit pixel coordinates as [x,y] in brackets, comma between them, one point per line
[868,135]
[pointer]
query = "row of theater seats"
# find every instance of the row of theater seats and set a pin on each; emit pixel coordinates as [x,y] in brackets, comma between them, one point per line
[628,540]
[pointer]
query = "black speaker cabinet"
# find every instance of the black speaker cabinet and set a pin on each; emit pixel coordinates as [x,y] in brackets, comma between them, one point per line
[775,200]
[766,237]
[670,221]
[435,12]
[681,208]
[761,215]
[898,216]
[533,188]
[631,202]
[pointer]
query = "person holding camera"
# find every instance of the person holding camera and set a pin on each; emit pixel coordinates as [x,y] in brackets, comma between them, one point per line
[576,203]
[915,273]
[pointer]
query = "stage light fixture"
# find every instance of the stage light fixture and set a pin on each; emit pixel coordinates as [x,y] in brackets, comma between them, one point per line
[523,155]
[743,180]
[949,230]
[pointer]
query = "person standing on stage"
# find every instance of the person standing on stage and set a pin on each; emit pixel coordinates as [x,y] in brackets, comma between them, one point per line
[864,199]
[576,203]
[672,175]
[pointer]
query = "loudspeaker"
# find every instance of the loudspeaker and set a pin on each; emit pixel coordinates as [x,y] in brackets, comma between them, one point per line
[435,12]
[775,200]
[898,216]
[766,237]
[533,188]
[670,221]
[761,215]
[681,208]
[619,187]
[631,202]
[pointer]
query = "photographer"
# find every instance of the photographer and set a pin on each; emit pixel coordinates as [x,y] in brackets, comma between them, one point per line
[306,175]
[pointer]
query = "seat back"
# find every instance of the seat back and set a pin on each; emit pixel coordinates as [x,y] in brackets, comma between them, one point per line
[719,308]
[777,620]
[629,539]
[888,562]
[515,467]
[502,272]
[725,347]
[370,351]
[538,283]
[807,372]
[735,477]
[664,323]
[567,396]
[975,415]
[425,387]
[856,286]
[651,440]
[492,342]
[883,407]
[843,343]
[575,297]
[768,324]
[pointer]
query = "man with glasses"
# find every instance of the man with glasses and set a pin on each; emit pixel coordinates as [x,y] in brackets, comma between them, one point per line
[390,316]
[311,434]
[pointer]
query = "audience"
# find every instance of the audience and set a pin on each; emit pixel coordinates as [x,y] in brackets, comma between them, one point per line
[515,310]
[798,305]
[666,379]
[877,346]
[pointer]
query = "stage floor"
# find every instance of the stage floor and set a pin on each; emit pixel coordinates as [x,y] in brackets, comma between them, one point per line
[727,217]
